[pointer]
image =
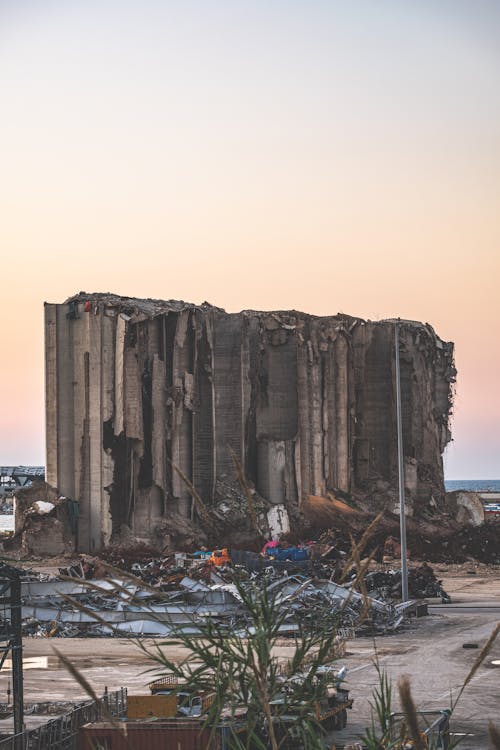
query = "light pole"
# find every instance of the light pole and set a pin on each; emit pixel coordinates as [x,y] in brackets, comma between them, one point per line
[401,476]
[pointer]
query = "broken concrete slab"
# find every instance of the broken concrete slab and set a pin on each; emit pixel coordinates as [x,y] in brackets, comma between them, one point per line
[466,507]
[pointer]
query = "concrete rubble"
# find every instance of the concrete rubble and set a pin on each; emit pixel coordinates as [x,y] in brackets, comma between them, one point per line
[466,507]
[136,389]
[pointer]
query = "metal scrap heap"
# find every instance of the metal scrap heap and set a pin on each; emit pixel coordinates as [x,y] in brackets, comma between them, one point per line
[161,596]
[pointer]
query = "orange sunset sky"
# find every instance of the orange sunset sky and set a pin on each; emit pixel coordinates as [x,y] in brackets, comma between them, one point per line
[322,156]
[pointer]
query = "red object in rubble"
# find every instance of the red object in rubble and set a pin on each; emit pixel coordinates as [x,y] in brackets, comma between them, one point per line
[87,306]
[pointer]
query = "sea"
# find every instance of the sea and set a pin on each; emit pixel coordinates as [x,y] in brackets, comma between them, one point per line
[473,485]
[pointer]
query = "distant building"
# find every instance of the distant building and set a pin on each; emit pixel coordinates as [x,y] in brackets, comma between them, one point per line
[12,477]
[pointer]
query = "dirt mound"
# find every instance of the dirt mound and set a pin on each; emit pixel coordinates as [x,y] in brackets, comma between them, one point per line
[323,511]
[439,539]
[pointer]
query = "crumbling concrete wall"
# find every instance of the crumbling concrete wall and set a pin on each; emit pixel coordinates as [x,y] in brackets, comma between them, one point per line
[43,524]
[306,403]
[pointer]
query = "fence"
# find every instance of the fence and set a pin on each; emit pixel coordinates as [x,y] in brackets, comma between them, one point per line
[62,733]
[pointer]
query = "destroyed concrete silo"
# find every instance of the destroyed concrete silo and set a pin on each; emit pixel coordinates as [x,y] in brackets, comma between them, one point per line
[306,403]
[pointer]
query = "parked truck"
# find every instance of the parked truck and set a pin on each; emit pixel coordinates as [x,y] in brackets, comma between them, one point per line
[187,702]
[330,708]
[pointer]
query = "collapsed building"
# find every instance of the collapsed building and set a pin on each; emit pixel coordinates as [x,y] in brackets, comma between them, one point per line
[136,389]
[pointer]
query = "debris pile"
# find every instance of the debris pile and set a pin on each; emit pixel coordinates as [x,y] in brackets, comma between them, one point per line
[422,584]
[147,595]
[479,542]
[6,505]
[120,607]
[439,539]
[47,523]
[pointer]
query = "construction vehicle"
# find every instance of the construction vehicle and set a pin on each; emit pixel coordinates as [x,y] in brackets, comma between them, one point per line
[188,703]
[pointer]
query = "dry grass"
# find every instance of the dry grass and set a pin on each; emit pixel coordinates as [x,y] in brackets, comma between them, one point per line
[494,734]
[410,712]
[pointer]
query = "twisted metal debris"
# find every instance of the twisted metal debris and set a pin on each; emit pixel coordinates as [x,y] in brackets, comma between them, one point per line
[141,604]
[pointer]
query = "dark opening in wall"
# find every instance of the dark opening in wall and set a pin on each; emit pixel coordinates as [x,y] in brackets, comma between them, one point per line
[170,323]
[203,427]
[120,489]
[169,327]
[160,335]
[250,426]
[131,336]
[108,434]
[146,464]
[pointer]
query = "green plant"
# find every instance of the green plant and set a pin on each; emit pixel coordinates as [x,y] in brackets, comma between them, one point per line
[377,735]
[241,669]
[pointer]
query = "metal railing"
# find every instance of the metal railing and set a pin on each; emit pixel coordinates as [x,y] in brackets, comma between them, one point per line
[62,733]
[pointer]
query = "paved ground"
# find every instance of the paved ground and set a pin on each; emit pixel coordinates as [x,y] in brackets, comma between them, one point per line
[431,652]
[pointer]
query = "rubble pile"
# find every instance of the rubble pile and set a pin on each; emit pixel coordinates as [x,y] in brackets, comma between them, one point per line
[6,505]
[137,594]
[437,539]
[47,524]
[422,584]
[482,543]
[118,607]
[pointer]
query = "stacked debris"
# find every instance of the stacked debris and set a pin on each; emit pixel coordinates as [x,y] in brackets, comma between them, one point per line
[120,607]
[422,584]
[481,543]
[6,505]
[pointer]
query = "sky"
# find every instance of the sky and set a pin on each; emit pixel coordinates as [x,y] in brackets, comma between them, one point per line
[322,156]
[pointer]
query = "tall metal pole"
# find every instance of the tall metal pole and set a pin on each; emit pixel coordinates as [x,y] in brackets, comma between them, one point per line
[17,659]
[401,477]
